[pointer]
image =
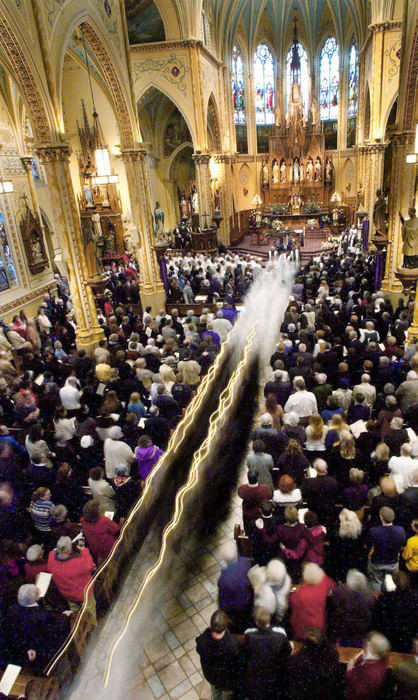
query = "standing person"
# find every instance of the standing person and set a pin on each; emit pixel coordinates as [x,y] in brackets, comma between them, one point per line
[366,672]
[308,601]
[385,542]
[116,451]
[219,657]
[100,532]
[72,572]
[268,652]
[252,494]
[314,669]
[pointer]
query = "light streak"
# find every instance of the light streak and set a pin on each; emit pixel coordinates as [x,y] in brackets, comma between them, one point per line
[172,447]
[225,402]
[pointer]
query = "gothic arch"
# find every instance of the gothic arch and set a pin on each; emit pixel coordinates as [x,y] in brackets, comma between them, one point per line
[213,119]
[123,113]
[156,82]
[175,154]
[19,67]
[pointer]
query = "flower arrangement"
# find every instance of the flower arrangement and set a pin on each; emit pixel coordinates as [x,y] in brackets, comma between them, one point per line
[312,223]
[276,224]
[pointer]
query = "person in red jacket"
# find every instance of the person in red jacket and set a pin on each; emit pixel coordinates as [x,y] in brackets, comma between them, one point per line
[100,532]
[366,672]
[252,494]
[72,572]
[308,601]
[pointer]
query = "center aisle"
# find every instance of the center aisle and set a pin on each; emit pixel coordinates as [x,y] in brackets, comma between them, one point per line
[167,666]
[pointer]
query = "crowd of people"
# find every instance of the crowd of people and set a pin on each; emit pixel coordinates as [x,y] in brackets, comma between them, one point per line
[330,504]
[330,501]
[79,435]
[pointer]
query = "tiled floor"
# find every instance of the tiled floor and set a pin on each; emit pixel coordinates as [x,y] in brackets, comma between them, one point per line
[160,662]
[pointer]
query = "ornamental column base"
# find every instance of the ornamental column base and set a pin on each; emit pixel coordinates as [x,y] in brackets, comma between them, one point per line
[87,339]
[156,299]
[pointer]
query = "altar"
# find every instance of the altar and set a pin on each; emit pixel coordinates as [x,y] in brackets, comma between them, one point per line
[297,171]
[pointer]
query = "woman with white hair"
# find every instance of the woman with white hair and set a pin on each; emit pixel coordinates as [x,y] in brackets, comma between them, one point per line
[350,610]
[346,546]
[273,593]
[367,671]
[308,601]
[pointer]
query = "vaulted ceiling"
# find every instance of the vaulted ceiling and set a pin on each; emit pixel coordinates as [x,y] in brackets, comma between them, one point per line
[251,13]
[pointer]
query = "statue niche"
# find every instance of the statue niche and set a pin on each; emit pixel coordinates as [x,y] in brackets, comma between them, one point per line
[33,241]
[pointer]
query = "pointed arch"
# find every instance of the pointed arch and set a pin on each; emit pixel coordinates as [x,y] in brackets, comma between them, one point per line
[213,123]
[18,66]
[154,81]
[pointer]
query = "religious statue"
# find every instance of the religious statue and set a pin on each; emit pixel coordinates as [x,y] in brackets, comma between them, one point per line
[309,170]
[314,111]
[88,195]
[296,170]
[128,242]
[264,175]
[329,172]
[295,202]
[184,207]
[283,174]
[36,248]
[276,172]
[318,170]
[379,213]
[359,197]
[109,239]
[217,201]
[410,239]
[97,226]
[159,219]
[278,115]
[195,200]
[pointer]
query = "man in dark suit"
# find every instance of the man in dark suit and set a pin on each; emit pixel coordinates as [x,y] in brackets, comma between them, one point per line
[29,633]
[321,492]
[158,428]
[219,656]
[268,651]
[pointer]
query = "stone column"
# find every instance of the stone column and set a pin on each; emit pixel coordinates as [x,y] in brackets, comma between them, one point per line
[400,199]
[151,287]
[373,161]
[225,187]
[203,187]
[55,158]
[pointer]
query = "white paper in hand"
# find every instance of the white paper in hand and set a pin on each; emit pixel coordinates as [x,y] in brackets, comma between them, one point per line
[9,677]
[109,514]
[43,580]
[390,583]
[301,514]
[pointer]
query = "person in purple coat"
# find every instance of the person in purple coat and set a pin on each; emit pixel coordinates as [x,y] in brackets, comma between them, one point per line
[147,456]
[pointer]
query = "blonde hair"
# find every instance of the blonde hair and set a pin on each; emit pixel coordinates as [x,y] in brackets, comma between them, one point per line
[338,423]
[134,397]
[382,452]
[316,425]
[388,486]
[312,574]
[166,373]
[350,525]
[347,445]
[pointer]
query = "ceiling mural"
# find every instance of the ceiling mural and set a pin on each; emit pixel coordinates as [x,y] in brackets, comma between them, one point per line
[144,22]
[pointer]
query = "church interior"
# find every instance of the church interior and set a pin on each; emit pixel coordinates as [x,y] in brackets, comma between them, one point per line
[208,343]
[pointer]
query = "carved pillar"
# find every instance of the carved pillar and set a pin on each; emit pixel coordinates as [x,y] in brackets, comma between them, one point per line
[151,287]
[376,81]
[203,187]
[400,199]
[372,158]
[225,186]
[55,158]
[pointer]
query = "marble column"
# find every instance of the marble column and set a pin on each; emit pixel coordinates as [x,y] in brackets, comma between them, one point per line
[137,174]
[400,199]
[225,186]
[55,159]
[201,161]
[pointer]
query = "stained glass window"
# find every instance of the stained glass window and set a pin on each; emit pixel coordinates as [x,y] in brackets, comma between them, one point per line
[8,276]
[353,81]
[329,79]
[264,85]
[238,86]
[304,74]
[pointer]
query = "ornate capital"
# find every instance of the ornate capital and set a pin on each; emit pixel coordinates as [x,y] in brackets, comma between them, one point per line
[373,148]
[53,152]
[201,158]
[403,138]
[385,26]
[134,154]
[27,163]
[224,158]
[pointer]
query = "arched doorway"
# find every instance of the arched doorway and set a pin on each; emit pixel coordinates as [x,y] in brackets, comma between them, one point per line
[164,127]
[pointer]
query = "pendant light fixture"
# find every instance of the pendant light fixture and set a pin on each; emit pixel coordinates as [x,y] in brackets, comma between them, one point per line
[104,174]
